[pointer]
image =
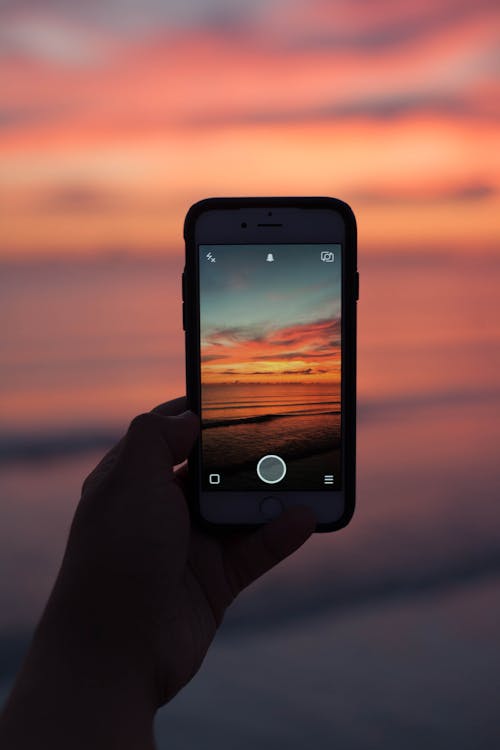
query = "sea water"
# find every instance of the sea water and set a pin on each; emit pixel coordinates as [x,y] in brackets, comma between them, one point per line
[382,635]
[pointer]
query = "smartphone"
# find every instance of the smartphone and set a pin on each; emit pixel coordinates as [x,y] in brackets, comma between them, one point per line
[270,288]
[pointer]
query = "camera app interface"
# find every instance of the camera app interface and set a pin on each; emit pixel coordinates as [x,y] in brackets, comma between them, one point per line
[270,339]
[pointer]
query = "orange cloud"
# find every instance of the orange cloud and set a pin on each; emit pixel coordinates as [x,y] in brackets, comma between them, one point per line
[394,111]
[306,352]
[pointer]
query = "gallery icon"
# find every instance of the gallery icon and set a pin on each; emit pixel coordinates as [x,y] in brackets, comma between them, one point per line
[214,478]
[327,256]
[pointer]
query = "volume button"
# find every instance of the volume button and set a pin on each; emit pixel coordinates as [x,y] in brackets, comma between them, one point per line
[183,286]
[183,316]
[357,286]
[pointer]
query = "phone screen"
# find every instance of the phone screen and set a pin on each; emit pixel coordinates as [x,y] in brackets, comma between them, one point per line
[270,366]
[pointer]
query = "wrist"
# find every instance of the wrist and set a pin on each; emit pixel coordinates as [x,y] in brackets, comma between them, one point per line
[77,689]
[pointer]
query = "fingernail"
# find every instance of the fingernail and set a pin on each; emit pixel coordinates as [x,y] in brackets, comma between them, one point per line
[187,414]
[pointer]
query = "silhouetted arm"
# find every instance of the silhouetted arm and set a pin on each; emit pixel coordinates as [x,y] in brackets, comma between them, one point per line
[138,599]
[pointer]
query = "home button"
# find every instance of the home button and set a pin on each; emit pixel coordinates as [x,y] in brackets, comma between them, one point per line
[271,507]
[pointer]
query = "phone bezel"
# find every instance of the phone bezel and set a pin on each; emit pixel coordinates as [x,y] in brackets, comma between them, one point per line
[203,226]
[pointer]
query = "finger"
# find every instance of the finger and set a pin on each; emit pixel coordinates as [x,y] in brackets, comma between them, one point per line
[181,473]
[155,443]
[171,408]
[182,479]
[168,408]
[102,468]
[256,553]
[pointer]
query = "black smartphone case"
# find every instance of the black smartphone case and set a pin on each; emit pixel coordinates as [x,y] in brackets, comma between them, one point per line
[350,293]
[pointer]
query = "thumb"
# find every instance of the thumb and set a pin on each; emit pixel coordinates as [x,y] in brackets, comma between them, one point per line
[156,443]
[259,551]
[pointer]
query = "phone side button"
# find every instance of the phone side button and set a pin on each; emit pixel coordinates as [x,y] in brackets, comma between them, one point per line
[357,285]
[271,507]
[183,286]
[183,316]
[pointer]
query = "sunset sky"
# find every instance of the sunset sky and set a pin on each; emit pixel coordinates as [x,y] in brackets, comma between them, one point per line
[269,322]
[115,117]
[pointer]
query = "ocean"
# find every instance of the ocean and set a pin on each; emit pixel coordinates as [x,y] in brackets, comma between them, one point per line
[300,422]
[384,635]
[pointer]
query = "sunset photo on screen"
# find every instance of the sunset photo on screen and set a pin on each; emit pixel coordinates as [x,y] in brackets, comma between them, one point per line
[270,331]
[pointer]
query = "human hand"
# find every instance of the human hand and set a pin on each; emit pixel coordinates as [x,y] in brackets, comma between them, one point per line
[142,589]
[156,573]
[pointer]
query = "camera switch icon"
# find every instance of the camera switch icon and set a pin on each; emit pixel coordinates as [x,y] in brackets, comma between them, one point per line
[327,256]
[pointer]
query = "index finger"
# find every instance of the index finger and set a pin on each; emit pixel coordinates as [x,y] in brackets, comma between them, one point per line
[171,408]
